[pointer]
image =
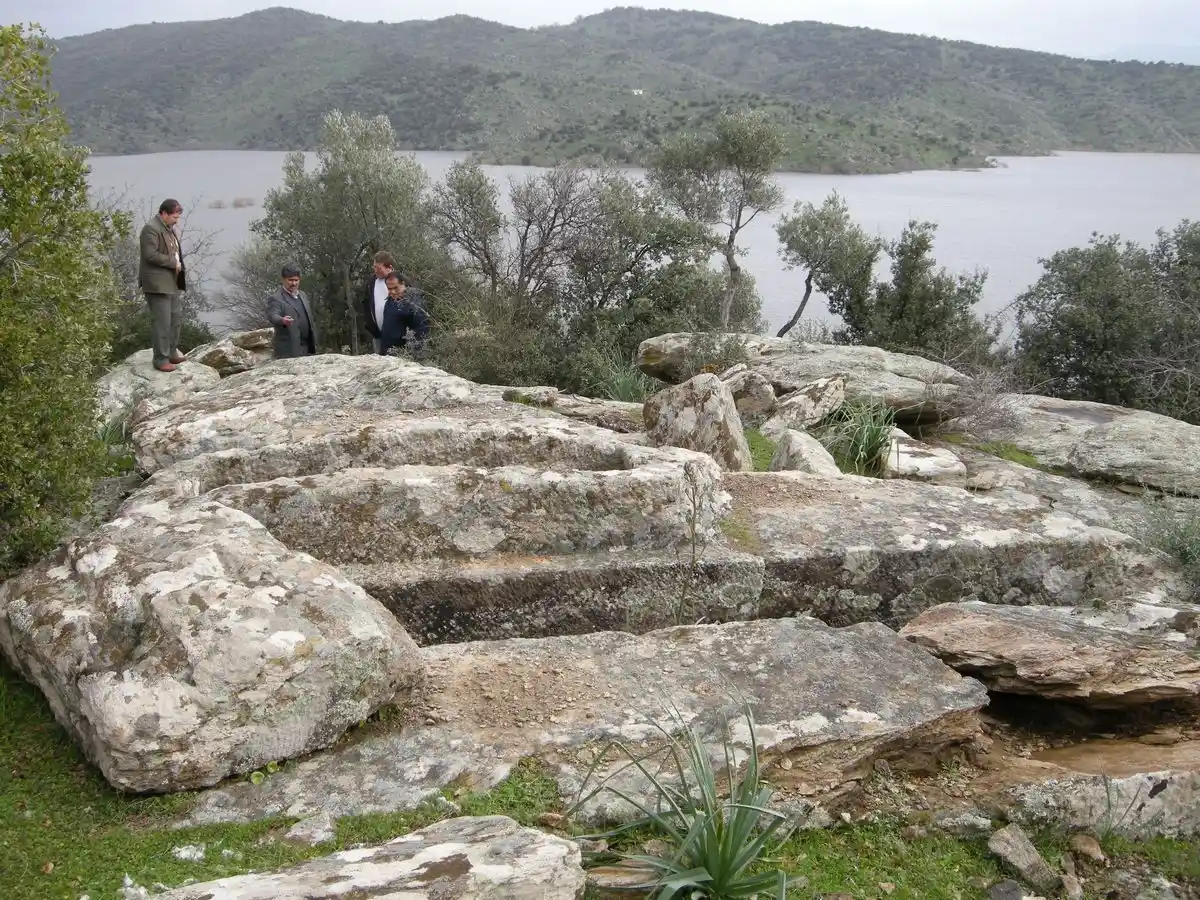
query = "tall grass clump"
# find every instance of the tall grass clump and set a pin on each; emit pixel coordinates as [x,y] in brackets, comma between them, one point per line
[1176,533]
[858,436]
[618,378]
[715,840]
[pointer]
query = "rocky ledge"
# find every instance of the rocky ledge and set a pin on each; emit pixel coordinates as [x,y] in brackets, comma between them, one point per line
[318,539]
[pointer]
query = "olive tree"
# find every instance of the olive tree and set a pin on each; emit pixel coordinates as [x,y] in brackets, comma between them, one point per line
[56,298]
[362,196]
[724,179]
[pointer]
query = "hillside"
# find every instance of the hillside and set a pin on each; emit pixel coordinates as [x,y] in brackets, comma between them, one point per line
[610,86]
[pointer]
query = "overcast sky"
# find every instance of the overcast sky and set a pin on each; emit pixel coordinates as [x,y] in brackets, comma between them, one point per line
[1082,27]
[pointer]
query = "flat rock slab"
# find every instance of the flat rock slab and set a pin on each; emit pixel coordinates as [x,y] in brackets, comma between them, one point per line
[181,644]
[236,352]
[828,703]
[1035,650]
[471,857]
[1108,442]
[911,459]
[860,549]
[1141,806]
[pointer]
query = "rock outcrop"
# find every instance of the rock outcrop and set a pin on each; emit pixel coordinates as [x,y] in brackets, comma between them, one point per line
[797,451]
[909,458]
[1051,653]
[470,858]
[180,644]
[826,703]
[1107,442]
[806,406]
[701,415]
[236,352]
[917,389]
[752,392]
[135,380]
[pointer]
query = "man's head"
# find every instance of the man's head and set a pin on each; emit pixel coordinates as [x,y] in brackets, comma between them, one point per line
[170,211]
[396,283]
[383,264]
[291,278]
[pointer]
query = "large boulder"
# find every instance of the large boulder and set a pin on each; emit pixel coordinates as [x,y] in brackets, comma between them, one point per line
[827,703]
[752,392]
[917,389]
[909,458]
[180,644]
[470,858]
[135,379]
[1059,654]
[702,415]
[1094,440]
[806,406]
[236,352]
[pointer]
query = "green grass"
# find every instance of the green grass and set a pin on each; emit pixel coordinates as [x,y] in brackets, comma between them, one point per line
[858,436]
[1177,534]
[762,449]
[999,449]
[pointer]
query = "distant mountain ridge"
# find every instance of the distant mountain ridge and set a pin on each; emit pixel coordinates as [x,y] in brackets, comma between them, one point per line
[610,86]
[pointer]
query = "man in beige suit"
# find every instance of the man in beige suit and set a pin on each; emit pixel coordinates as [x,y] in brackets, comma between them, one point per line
[162,277]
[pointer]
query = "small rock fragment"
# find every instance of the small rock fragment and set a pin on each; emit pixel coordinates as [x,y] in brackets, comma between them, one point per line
[189,853]
[1015,849]
[1006,890]
[1072,889]
[318,829]
[1087,846]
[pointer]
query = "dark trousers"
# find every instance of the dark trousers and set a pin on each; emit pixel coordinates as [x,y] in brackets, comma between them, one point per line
[166,322]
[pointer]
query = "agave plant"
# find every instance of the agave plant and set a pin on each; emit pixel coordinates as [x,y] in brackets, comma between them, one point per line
[715,844]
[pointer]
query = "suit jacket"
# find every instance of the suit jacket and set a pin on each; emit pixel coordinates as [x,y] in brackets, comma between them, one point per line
[368,302]
[156,268]
[287,337]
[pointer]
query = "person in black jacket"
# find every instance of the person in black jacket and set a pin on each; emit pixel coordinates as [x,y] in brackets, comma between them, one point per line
[403,311]
[375,295]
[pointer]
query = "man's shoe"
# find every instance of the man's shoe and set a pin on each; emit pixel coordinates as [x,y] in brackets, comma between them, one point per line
[165,367]
[176,359]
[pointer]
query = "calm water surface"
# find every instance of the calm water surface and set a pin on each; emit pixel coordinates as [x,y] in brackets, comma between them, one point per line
[1001,219]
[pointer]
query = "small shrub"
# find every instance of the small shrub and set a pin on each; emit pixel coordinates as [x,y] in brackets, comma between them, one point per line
[1176,533]
[717,840]
[713,353]
[811,331]
[617,378]
[858,436]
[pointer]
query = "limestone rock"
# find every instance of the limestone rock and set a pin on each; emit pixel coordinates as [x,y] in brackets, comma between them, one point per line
[180,644]
[615,415]
[236,352]
[128,383]
[467,858]
[1152,804]
[1034,650]
[801,452]
[753,394]
[700,415]
[917,389]
[1017,852]
[909,458]
[827,702]
[1096,440]
[314,830]
[856,549]
[806,406]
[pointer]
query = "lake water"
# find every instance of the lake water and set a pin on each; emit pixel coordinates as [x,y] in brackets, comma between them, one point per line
[1003,219]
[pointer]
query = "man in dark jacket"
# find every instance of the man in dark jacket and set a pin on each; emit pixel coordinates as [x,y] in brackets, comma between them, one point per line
[289,312]
[403,311]
[162,277]
[375,295]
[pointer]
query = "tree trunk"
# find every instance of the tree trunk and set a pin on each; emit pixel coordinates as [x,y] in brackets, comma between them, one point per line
[808,284]
[735,272]
[347,292]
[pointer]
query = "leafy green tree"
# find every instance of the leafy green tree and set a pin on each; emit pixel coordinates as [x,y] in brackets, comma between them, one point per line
[1118,323]
[362,196]
[924,309]
[56,297]
[837,254]
[724,179]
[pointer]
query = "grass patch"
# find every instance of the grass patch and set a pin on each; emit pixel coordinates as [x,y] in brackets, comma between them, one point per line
[1176,533]
[64,832]
[1012,453]
[858,436]
[762,449]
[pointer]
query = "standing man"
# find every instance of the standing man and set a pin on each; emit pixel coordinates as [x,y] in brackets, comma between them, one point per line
[162,278]
[289,312]
[402,313]
[375,297]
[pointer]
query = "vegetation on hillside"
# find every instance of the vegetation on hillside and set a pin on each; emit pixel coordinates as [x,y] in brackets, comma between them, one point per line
[56,298]
[611,87]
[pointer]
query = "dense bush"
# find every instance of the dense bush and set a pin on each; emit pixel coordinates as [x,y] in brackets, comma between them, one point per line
[56,300]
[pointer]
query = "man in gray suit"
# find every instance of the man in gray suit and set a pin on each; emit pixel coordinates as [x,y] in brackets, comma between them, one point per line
[289,312]
[162,277]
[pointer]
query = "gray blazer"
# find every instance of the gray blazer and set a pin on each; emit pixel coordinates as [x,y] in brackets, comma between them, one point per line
[287,337]
[156,265]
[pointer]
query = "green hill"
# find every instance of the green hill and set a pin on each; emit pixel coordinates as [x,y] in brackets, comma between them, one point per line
[610,86]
